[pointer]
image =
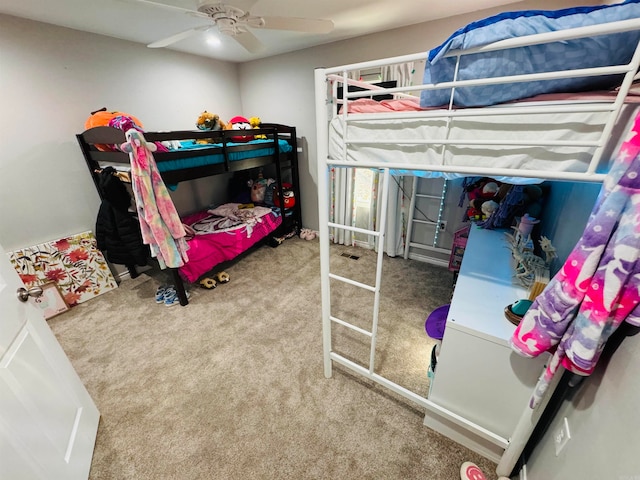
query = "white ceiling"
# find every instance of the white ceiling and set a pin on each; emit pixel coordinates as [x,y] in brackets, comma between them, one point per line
[142,22]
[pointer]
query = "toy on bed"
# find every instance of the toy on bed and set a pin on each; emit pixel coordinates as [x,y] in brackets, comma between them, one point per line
[264,191]
[255,123]
[115,119]
[259,188]
[208,121]
[240,123]
[102,118]
[484,198]
[516,201]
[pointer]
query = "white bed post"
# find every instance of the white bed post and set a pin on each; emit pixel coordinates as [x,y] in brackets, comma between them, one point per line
[412,206]
[322,152]
[376,296]
[622,93]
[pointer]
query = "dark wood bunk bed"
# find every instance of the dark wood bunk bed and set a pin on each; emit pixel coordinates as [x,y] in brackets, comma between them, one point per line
[222,154]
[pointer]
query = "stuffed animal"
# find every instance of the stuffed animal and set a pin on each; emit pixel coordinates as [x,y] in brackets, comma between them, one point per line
[208,121]
[136,140]
[287,193]
[255,123]
[484,199]
[104,118]
[240,123]
[101,118]
[259,188]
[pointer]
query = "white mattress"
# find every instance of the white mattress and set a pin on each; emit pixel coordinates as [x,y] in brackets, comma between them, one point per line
[515,127]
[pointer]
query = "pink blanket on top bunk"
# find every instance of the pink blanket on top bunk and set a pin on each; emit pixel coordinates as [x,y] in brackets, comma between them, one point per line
[367,105]
[224,237]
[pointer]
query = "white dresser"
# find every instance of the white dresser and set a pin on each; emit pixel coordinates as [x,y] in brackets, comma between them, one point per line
[478,376]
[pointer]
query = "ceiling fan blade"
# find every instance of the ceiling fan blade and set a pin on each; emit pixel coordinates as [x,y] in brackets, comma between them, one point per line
[244,5]
[178,36]
[307,25]
[166,6]
[249,41]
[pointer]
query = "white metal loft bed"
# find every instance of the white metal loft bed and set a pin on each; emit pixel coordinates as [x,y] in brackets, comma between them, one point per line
[408,143]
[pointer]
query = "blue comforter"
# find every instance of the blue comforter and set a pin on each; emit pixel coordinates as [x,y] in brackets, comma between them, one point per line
[604,50]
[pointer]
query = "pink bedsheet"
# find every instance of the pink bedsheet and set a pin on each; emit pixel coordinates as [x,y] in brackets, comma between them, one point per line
[207,251]
[366,105]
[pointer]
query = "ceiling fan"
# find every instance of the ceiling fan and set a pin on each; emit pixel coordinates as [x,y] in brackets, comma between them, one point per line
[235,20]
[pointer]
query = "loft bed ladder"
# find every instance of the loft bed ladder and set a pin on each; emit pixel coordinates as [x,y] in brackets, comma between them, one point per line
[419,201]
[371,333]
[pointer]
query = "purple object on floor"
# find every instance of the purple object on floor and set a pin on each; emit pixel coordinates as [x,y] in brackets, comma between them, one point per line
[436,321]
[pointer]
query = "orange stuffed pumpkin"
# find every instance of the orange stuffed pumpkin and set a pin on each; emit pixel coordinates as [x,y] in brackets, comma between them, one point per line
[101,118]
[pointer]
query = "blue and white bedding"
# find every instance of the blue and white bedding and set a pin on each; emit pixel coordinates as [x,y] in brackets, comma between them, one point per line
[266,148]
[604,50]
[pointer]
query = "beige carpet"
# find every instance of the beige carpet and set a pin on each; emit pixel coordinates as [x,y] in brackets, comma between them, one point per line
[232,385]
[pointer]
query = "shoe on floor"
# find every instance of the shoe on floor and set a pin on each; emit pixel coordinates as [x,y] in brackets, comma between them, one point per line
[208,283]
[171,297]
[160,293]
[470,471]
[222,277]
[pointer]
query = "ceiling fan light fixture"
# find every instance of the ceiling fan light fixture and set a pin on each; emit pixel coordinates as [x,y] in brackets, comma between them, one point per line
[229,26]
[213,41]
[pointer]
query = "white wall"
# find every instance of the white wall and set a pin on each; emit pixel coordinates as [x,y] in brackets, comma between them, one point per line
[55,76]
[51,78]
[603,420]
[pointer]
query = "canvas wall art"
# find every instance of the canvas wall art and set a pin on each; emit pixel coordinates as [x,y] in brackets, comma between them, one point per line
[73,263]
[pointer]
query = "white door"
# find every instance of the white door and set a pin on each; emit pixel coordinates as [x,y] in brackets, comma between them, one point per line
[48,421]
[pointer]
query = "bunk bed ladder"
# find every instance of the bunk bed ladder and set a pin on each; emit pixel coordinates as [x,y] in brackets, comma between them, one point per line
[379,236]
[422,219]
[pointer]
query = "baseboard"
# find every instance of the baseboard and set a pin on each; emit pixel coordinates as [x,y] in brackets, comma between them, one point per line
[426,259]
[125,275]
[122,276]
[463,436]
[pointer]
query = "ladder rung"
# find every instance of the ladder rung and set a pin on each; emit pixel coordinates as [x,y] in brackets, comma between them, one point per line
[352,282]
[424,246]
[426,222]
[354,229]
[352,327]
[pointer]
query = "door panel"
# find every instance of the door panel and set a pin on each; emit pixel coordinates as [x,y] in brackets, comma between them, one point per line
[48,421]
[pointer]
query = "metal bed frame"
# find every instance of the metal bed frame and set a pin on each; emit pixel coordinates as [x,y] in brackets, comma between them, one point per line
[326,81]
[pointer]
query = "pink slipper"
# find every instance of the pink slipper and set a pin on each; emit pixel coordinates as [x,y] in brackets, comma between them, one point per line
[470,471]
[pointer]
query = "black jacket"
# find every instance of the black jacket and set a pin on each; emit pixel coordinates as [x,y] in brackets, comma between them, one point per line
[117,230]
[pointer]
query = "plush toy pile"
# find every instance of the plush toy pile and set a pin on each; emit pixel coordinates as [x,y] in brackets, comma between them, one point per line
[116,119]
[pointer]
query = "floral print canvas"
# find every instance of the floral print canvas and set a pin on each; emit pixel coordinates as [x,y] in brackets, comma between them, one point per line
[74,263]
